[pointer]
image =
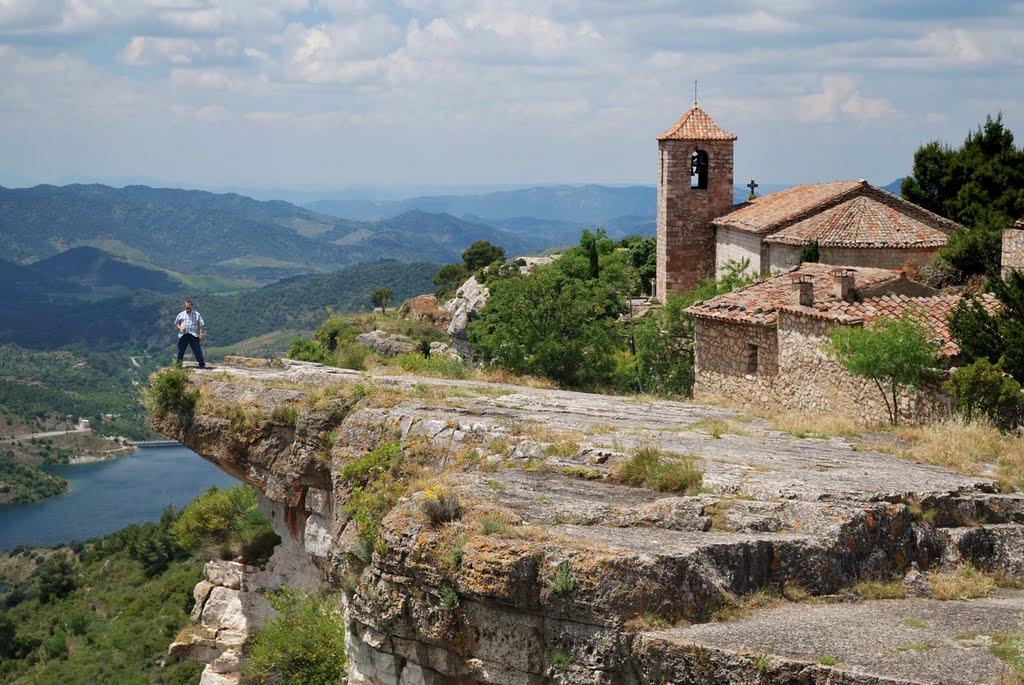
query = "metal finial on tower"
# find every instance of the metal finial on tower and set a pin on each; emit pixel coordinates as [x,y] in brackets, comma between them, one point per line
[695,93]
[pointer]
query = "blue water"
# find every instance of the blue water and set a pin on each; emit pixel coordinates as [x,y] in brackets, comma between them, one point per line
[106,496]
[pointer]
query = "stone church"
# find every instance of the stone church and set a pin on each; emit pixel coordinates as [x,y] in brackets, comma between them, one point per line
[700,229]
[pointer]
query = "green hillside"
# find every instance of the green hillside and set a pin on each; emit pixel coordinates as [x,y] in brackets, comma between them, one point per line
[229,235]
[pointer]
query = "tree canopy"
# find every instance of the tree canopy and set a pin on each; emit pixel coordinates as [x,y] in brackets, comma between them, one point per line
[482,253]
[980,185]
[895,354]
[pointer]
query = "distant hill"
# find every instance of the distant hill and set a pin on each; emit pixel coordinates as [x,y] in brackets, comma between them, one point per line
[143,320]
[587,204]
[561,209]
[194,232]
[894,187]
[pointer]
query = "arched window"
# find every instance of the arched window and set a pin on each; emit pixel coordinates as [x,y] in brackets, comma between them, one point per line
[699,169]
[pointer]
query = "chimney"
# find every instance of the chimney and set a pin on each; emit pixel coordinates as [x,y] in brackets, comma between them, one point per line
[803,287]
[843,286]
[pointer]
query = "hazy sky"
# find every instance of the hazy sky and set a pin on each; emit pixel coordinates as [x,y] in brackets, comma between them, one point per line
[316,94]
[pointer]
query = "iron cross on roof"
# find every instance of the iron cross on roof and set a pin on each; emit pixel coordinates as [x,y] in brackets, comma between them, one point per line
[751,185]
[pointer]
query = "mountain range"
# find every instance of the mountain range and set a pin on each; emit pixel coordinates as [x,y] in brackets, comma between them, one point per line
[190,233]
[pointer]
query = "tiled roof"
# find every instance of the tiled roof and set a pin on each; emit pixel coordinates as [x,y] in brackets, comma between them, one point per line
[775,212]
[762,214]
[934,311]
[861,221]
[696,125]
[759,303]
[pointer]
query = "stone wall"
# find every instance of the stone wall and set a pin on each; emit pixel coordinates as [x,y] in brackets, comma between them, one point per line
[1013,248]
[737,246]
[783,257]
[686,243]
[726,348]
[805,378]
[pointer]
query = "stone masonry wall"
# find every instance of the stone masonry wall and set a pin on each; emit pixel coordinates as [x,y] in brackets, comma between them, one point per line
[807,379]
[737,246]
[785,257]
[686,243]
[1013,248]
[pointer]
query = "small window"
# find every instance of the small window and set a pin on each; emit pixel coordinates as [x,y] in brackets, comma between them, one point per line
[751,358]
[699,170]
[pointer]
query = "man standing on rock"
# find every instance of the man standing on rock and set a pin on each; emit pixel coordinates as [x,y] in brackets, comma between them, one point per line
[191,332]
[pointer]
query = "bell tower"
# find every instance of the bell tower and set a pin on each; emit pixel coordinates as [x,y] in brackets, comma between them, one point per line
[695,177]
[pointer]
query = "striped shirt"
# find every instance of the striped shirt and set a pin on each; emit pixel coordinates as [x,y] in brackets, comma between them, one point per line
[190,321]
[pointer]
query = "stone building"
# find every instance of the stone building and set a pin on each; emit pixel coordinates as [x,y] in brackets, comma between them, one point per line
[765,345]
[700,229]
[1013,248]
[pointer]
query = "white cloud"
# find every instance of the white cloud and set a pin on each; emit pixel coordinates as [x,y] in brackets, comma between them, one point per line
[839,94]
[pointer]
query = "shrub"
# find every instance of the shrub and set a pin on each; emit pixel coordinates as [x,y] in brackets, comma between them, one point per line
[448,598]
[286,415]
[305,643]
[441,505]
[228,518]
[309,351]
[57,579]
[560,660]
[442,366]
[648,468]
[563,582]
[169,392]
[982,388]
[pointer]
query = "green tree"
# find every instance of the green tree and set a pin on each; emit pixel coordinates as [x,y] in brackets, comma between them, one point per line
[550,324]
[895,354]
[998,336]
[983,388]
[979,185]
[56,579]
[664,349]
[448,280]
[381,297]
[482,254]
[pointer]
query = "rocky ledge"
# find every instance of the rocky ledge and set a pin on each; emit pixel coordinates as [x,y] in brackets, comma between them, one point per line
[482,533]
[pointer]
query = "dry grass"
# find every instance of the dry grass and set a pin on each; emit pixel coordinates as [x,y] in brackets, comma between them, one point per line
[803,425]
[741,607]
[967,448]
[964,583]
[496,375]
[876,589]
[716,428]
[799,424]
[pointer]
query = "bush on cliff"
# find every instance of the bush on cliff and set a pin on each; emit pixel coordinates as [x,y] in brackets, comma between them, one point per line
[227,521]
[169,393]
[305,643]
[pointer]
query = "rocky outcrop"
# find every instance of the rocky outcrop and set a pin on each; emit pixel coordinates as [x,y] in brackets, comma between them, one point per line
[463,309]
[386,345]
[550,570]
[425,308]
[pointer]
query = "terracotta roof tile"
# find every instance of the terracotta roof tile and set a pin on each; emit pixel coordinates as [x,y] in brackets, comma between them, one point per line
[934,311]
[861,222]
[759,303]
[762,214]
[696,125]
[775,212]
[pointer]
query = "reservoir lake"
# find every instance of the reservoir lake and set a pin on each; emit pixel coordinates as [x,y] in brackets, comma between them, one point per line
[106,496]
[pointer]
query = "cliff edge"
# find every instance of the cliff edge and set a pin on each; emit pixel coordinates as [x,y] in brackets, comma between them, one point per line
[484,533]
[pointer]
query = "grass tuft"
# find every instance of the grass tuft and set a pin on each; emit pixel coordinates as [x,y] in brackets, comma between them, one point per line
[876,589]
[649,467]
[963,583]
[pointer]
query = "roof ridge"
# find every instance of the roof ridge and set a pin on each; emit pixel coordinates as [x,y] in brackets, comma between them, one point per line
[696,124]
